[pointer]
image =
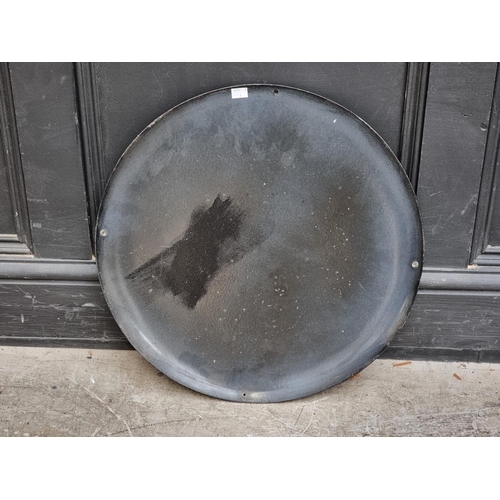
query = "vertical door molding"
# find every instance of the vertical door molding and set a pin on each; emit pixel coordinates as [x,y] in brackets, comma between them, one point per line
[417,79]
[90,124]
[20,242]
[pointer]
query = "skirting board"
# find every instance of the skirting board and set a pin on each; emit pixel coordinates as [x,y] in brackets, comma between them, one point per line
[461,325]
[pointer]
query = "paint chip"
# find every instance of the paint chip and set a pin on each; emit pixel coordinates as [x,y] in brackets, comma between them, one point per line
[404,363]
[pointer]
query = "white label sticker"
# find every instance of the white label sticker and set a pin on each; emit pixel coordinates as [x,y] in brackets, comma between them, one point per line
[240,93]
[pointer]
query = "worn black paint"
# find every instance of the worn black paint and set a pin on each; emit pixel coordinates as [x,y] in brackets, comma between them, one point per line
[459,100]
[51,313]
[15,234]
[471,335]
[49,141]
[414,111]
[187,267]
[486,243]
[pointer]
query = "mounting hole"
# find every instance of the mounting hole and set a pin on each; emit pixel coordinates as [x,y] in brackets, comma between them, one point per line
[103,232]
[276,91]
[484,126]
[244,394]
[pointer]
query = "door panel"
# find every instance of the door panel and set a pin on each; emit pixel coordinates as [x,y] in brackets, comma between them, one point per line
[458,106]
[49,141]
[132,95]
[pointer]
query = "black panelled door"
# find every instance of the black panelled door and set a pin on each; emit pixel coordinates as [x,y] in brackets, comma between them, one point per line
[63,127]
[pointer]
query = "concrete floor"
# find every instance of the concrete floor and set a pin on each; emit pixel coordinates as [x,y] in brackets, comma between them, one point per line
[77,392]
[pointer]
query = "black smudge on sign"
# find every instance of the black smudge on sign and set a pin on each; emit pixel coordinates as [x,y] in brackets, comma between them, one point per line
[210,243]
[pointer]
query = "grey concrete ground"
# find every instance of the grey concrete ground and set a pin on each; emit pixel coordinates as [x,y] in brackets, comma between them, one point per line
[77,392]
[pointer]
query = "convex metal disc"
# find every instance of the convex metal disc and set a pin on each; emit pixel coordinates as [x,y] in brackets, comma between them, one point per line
[259,244]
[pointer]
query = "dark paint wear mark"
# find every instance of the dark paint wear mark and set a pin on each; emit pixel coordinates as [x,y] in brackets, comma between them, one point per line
[186,267]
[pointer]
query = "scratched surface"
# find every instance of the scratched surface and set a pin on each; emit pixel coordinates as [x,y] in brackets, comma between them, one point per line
[7,225]
[47,123]
[77,392]
[441,326]
[455,130]
[56,311]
